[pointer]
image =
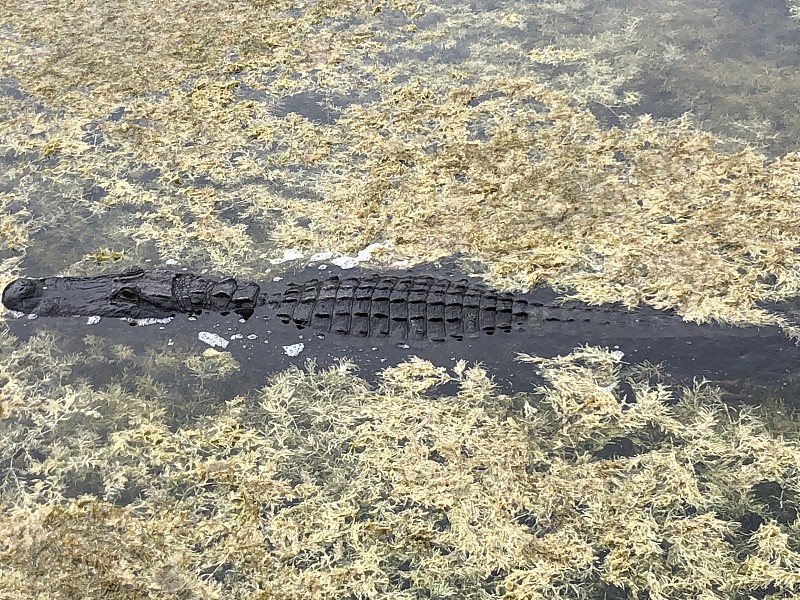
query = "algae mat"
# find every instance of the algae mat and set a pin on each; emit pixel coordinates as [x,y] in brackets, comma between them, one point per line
[547,142]
[320,485]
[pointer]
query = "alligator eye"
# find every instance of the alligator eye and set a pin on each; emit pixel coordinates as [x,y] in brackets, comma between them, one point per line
[127,296]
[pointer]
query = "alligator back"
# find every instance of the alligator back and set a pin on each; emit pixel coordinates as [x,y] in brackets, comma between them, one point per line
[401,307]
[424,307]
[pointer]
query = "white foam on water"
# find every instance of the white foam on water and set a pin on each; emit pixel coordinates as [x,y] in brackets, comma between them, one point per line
[294,349]
[149,321]
[290,254]
[212,339]
[348,262]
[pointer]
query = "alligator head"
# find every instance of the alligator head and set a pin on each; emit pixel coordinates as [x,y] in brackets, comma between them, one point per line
[134,294]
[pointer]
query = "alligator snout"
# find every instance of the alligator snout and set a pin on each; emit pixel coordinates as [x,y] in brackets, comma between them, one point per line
[17,292]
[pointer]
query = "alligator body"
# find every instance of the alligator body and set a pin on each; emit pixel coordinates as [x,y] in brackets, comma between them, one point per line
[401,307]
[417,312]
[421,307]
[414,307]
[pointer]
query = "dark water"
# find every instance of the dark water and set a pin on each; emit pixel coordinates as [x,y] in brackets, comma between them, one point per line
[737,359]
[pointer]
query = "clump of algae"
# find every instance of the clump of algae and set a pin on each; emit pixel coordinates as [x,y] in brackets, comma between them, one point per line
[223,138]
[320,485]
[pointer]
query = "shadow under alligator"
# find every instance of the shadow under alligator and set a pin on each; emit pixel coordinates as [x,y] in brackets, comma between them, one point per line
[382,319]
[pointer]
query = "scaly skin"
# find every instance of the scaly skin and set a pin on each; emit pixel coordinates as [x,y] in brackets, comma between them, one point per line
[398,306]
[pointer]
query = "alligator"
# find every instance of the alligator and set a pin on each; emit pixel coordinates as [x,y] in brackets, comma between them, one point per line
[421,311]
[415,307]
[375,305]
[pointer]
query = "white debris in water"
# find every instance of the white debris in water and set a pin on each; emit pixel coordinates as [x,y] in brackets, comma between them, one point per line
[15,313]
[33,316]
[143,322]
[348,262]
[294,349]
[171,261]
[290,254]
[277,278]
[237,336]
[212,339]
[345,262]
[366,253]
[93,320]
[320,256]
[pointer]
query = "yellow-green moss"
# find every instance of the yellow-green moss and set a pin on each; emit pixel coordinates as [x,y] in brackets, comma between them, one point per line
[232,131]
[321,486]
[219,134]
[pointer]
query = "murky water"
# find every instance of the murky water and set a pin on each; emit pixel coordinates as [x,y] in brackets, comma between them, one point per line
[138,461]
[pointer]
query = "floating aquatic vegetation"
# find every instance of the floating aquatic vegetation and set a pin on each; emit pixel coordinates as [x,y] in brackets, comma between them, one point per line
[277,126]
[212,363]
[217,135]
[320,485]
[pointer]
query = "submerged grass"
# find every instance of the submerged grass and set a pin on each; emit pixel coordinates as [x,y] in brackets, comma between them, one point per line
[217,134]
[651,213]
[322,486]
[221,133]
